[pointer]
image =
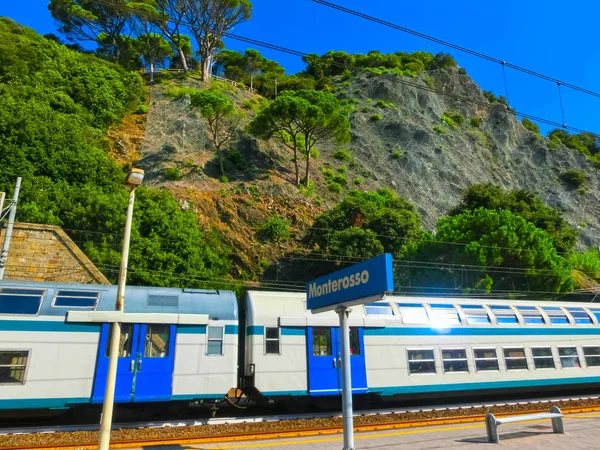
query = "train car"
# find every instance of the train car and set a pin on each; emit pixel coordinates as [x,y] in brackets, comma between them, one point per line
[176,345]
[412,348]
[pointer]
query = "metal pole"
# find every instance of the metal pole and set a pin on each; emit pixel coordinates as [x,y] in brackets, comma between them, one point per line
[111,377]
[2,196]
[9,228]
[347,412]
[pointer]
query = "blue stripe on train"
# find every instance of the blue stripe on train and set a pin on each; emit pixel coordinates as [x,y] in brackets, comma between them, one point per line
[492,331]
[259,330]
[42,403]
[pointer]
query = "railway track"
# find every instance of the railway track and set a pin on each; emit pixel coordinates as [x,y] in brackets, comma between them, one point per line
[277,426]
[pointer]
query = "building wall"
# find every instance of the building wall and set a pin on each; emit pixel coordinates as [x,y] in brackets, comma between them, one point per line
[46,253]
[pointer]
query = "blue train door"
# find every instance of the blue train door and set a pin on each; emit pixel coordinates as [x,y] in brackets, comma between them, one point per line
[145,365]
[324,361]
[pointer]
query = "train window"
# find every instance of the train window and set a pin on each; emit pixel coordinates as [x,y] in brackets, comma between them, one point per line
[504,314]
[157,341]
[444,314]
[124,342]
[272,340]
[542,357]
[592,356]
[215,341]
[20,301]
[413,313]
[596,312]
[531,315]
[580,316]
[354,342]
[379,309]
[485,359]
[321,343]
[476,314]
[455,360]
[421,361]
[76,299]
[163,301]
[515,358]
[13,364]
[556,315]
[568,357]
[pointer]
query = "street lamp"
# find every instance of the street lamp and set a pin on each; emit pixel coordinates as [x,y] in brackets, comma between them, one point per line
[132,181]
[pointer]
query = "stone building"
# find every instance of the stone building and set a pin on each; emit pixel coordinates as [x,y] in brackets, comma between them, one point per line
[46,253]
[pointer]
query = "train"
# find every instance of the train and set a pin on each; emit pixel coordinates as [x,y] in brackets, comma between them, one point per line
[198,346]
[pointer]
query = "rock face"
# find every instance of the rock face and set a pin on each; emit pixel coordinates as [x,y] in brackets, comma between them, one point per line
[439,161]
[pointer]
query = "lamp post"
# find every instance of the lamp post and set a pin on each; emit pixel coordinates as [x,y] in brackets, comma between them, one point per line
[132,181]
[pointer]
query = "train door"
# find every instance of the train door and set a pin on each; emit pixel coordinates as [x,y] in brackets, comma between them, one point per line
[145,364]
[325,362]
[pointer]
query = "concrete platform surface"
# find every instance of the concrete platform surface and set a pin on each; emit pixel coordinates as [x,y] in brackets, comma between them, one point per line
[582,431]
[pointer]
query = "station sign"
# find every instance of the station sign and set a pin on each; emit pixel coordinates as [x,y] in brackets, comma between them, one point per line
[361,283]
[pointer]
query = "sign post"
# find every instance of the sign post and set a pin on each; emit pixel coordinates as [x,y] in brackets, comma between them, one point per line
[361,283]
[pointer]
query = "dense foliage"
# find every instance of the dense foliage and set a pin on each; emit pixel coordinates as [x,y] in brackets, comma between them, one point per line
[585,143]
[524,204]
[366,224]
[55,105]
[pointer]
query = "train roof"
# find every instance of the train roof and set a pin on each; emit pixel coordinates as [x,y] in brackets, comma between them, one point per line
[217,304]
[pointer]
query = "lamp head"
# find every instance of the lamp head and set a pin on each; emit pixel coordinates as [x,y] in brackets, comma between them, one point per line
[134,177]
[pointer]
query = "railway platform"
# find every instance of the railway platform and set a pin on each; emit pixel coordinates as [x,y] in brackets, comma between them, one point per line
[582,431]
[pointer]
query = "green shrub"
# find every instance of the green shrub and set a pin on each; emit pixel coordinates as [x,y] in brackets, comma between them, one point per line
[376,117]
[346,75]
[358,181]
[383,104]
[364,109]
[334,187]
[462,71]
[346,83]
[439,129]
[457,118]
[530,126]
[328,173]
[397,155]
[241,86]
[342,155]
[236,157]
[429,81]
[314,153]
[141,109]
[573,178]
[342,169]
[224,179]
[476,122]
[275,229]
[588,263]
[173,174]
[340,179]
[554,144]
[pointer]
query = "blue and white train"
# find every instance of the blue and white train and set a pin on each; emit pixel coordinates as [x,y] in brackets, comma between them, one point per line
[194,346]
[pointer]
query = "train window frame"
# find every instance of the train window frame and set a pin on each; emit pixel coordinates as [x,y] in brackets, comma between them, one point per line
[41,292]
[468,312]
[381,307]
[444,311]
[560,357]
[515,358]
[423,349]
[28,352]
[416,307]
[210,339]
[125,344]
[495,310]
[476,359]
[272,339]
[585,356]
[577,320]
[148,341]
[552,317]
[329,342]
[594,312]
[530,315]
[537,358]
[87,308]
[465,359]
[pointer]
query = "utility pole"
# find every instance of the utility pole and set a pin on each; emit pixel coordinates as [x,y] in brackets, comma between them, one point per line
[9,228]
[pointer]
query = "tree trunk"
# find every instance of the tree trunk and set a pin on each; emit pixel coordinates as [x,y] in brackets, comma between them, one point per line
[251,81]
[151,72]
[205,67]
[182,59]
[220,158]
[297,168]
[306,178]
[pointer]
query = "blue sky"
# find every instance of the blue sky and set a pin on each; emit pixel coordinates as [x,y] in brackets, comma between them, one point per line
[551,37]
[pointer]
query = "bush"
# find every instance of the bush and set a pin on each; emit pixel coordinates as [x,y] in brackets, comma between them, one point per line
[236,157]
[275,229]
[358,181]
[456,117]
[334,187]
[530,126]
[241,86]
[476,122]
[573,178]
[397,155]
[588,263]
[141,109]
[383,104]
[173,174]
[554,144]
[376,117]
[342,155]
[342,169]
[340,179]
[224,179]
[439,129]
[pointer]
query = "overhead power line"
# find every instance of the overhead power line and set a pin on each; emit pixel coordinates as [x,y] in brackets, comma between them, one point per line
[391,78]
[455,47]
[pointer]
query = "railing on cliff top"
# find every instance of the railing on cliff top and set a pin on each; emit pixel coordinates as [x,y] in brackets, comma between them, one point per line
[212,75]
